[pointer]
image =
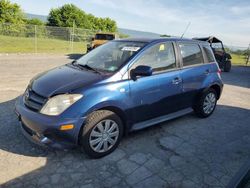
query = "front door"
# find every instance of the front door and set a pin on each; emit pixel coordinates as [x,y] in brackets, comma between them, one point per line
[153,95]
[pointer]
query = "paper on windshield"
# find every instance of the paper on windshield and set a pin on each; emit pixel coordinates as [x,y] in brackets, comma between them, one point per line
[130,48]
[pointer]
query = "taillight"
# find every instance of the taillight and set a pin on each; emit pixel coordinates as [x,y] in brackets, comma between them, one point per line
[219,73]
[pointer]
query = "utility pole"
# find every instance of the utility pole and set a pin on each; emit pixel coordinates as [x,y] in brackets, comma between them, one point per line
[248,54]
[72,37]
[35,38]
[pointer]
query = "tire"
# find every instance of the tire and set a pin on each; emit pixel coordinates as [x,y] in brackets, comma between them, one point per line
[97,138]
[227,66]
[200,108]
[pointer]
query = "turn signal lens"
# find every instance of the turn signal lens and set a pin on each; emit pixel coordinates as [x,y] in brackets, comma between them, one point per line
[66,127]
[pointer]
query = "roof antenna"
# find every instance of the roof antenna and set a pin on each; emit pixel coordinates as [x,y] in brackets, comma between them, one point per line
[189,23]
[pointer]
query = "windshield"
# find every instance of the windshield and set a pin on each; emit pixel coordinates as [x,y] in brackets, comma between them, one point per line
[111,56]
[217,47]
[104,37]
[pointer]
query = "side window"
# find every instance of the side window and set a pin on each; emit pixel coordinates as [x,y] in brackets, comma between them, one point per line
[208,53]
[191,54]
[160,57]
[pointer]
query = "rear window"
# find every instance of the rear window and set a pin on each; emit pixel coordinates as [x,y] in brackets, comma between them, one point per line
[191,54]
[104,37]
[208,53]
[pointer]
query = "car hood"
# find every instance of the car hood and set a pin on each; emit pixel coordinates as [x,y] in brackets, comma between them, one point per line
[63,79]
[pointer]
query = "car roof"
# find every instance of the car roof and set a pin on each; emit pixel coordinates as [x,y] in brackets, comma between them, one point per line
[210,39]
[160,39]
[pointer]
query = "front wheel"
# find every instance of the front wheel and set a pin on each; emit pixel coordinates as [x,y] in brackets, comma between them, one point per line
[206,103]
[102,133]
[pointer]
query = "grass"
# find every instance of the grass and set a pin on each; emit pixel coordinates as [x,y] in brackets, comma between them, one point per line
[9,44]
[239,60]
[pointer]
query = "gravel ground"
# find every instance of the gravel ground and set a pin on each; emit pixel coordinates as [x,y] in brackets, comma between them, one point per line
[185,152]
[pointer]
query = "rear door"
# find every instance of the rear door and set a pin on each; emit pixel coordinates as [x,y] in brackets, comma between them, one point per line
[193,72]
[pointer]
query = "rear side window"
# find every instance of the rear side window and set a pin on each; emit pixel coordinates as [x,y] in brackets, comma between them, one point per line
[191,54]
[208,53]
[104,37]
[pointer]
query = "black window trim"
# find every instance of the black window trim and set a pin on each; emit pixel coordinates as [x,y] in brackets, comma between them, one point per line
[181,59]
[205,55]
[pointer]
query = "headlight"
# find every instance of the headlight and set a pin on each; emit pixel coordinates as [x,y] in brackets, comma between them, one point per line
[57,104]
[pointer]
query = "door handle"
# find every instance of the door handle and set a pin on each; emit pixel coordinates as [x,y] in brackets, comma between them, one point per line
[176,80]
[207,72]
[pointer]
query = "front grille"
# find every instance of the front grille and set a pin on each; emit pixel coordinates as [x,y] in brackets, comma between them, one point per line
[33,100]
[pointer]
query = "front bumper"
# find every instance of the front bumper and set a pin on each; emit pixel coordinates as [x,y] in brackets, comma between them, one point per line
[45,130]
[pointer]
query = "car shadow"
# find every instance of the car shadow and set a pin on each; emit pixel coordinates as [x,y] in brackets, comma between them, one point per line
[10,138]
[238,76]
[74,168]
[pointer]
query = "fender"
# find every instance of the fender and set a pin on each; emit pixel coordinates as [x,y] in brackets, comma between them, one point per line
[216,86]
[123,107]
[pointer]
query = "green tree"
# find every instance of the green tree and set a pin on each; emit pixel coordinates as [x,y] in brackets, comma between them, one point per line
[11,13]
[11,19]
[69,14]
[108,25]
[34,21]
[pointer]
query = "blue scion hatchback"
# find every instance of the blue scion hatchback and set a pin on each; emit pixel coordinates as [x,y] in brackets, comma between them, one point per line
[121,86]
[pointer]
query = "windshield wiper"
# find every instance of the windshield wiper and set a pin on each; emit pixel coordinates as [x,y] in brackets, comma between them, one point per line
[85,66]
[74,63]
[89,68]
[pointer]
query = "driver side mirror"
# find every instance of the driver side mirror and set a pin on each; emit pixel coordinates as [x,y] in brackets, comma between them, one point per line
[141,70]
[93,38]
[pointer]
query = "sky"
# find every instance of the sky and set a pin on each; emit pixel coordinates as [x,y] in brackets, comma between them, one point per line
[229,20]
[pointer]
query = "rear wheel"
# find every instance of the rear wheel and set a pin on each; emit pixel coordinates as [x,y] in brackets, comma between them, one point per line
[227,66]
[206,103]
[101,133]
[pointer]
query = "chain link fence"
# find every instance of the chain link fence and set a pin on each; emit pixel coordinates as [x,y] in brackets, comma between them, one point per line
[43,39]
[67,40]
